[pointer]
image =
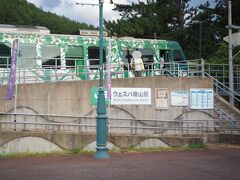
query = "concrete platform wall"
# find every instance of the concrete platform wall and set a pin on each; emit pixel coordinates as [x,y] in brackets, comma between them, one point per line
[74,98]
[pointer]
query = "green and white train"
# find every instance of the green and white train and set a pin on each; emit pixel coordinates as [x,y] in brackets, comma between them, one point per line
[50,57]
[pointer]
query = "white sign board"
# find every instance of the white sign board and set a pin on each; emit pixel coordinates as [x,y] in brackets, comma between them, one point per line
[131,96]
[179,98]
[201,99]
[161,97]
[235,39]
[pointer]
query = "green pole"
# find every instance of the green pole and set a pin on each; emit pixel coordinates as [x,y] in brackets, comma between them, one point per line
[101,136]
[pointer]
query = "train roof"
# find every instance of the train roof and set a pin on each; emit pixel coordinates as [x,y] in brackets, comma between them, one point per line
[40,30]
[24,29]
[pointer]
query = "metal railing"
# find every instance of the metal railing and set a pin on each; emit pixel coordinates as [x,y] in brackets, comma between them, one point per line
[78,124]
[223,115]
[74,69]
[52,73]
[219,86]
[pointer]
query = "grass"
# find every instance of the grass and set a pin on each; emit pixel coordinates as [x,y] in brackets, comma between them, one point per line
[29,154]
[54,153]
[77,151]
[195,146]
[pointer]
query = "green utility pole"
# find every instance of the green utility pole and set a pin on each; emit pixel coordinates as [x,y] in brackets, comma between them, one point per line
[102,151]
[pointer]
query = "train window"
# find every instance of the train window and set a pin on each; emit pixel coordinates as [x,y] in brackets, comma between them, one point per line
[27,55]
[165,54]
[73,53]
[147,56]
[5,55]
[177,56]
[51,56]
[93,56]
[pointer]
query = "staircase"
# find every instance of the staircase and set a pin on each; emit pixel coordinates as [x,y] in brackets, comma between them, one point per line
[228,114]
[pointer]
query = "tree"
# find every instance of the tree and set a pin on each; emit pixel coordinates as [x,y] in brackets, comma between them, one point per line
[20,12]
[143,20]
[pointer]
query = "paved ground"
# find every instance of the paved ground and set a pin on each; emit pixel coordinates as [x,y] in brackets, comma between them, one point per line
[213,164]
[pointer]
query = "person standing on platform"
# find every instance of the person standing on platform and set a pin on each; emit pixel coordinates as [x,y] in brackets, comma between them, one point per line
[137,63]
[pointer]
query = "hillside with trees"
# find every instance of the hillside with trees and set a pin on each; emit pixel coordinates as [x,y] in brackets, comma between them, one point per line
[162,19]
[21,12]
[173,20]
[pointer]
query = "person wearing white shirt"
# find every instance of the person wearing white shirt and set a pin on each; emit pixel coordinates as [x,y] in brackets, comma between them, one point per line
[137,63]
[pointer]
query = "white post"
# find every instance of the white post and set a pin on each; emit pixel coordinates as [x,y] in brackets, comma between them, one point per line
[230,49]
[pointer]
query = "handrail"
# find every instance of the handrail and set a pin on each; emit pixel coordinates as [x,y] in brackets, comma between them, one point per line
[165,126]
[94,117]
[228,116]
[232,93]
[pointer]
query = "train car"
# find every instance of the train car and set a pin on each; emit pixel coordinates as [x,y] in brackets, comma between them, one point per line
[43,56]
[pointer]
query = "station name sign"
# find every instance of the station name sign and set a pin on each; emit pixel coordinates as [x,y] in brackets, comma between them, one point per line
[124,96]
[131,96]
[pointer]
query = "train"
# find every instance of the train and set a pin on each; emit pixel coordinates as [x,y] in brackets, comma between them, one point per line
[43,56]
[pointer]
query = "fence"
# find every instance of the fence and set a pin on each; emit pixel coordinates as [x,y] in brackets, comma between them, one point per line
[72,71]
[77,124]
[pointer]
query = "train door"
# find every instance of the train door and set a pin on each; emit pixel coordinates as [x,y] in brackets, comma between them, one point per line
[5,54]
[75,60]
[165,57]
[93,57]
[5,60]
[127,56]
[147,58]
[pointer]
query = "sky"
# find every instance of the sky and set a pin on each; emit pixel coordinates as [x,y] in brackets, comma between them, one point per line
[86,14]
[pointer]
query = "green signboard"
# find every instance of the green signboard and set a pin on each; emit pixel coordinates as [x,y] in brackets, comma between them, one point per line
[94,96]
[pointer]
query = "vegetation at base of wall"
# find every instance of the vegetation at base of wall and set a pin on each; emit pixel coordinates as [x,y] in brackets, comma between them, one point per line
[29,154]
[194,146]
[77,151]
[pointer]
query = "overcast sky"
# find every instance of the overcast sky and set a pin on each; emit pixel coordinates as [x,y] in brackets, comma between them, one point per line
[87,14]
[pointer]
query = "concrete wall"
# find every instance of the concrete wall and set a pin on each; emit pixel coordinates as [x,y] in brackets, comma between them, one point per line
[73,98]
[32,142]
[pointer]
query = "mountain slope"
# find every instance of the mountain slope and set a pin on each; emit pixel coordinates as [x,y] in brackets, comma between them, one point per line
[21,12]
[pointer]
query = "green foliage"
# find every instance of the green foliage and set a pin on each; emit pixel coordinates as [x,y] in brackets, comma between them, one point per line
[54,153]
[195,146]
[28,154]
[143,20]
[77,151]
[171,20]
[221,54]
[164,19]
[20,12]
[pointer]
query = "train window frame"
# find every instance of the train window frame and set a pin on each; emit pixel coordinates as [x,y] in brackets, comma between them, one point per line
[5,58]
[31,59]
[178,60]
[52,62]
[127,56]
[72,58]
[93,51]
[165,54]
